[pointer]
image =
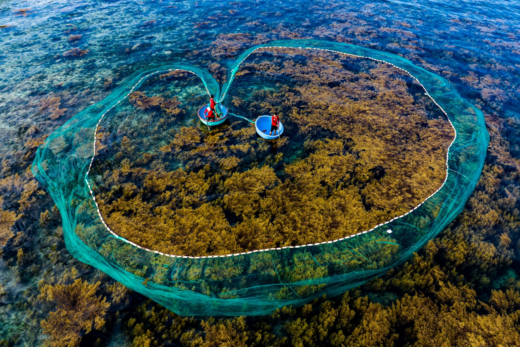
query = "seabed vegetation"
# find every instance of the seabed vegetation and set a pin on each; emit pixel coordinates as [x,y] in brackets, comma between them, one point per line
[160,201]
[363,145]
[461,289]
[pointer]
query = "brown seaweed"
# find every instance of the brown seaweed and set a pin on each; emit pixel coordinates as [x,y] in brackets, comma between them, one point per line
[367,173]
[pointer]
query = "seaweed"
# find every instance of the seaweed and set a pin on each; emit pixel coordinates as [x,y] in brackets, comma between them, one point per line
[355,158]
[75,52]
[22,11]
[74,38]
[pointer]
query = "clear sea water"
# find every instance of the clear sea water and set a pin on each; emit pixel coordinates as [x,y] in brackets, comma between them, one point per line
[452,38]
[474,44]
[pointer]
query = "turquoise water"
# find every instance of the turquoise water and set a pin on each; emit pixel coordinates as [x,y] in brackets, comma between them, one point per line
[126,36]
[474,45]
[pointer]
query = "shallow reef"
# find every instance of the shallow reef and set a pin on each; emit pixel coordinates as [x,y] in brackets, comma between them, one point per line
[362,145]
[461,289]
[262,280]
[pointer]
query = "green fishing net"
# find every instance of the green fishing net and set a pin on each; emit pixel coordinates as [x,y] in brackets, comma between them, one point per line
[260,281]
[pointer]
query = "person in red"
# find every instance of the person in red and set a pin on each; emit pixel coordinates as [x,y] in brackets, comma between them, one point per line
[275,121]
[209,114]
[212,105]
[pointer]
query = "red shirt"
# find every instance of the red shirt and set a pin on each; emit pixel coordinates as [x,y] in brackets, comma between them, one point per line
[212,103]
[209,113]
[275,120]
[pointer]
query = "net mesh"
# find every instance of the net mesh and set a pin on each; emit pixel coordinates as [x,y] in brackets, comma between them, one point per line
[257,282]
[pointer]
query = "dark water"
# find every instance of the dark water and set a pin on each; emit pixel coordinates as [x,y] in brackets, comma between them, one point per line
[474,44]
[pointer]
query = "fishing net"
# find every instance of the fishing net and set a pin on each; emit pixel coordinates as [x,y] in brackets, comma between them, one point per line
[75,165]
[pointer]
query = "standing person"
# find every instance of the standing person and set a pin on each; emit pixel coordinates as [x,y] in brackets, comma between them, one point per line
[212,104]
[275,121]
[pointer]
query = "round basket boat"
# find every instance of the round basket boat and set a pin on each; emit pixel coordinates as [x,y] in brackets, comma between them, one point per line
[263,127]
[204,119]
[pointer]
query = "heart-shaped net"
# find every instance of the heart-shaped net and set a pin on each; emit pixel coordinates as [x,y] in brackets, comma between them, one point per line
[218,222]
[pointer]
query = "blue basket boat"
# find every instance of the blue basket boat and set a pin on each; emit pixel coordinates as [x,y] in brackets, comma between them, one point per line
[204,119]
[263,127]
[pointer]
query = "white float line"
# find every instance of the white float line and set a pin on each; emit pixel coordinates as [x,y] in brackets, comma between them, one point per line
[389,231]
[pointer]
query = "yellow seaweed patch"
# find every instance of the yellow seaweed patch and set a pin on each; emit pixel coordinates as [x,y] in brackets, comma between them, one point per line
[362,146]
